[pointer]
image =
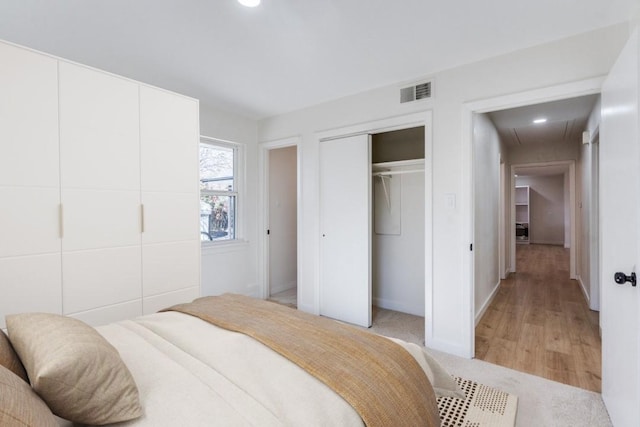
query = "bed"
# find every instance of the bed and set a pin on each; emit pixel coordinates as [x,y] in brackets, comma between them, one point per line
[228,360]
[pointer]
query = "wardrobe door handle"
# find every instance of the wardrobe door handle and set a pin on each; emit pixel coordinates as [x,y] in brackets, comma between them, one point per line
[142,218]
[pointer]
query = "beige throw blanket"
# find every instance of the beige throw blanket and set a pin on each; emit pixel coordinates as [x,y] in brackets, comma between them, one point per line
[378,378]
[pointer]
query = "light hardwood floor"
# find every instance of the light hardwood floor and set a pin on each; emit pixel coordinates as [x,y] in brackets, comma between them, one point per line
[539,322]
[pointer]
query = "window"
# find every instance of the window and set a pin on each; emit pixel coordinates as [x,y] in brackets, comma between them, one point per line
[218,190]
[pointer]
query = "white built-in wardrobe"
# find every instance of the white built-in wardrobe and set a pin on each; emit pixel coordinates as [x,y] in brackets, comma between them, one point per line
[99,191]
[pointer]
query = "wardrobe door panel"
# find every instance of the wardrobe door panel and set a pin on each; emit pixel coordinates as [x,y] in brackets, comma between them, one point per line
[99,130]
[169,135]
[170,266]
[29,221]
[158,302]
[109,314]
[169,141]
[30,276]
[28,118]
[100,219]
[170,217]
[101,277]
[30,284]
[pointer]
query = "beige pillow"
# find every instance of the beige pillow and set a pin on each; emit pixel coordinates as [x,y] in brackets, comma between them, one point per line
[74,369]
[9,359]
[19,405]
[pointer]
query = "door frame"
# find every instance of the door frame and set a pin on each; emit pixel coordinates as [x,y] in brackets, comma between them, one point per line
[594,222]
[423,118]
[519,99]
[263,204]
[503,266]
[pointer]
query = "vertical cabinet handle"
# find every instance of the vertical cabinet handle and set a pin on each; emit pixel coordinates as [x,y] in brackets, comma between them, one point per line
[142,218]
[61,220]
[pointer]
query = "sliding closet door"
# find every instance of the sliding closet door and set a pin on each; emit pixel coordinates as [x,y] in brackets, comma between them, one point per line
[345,218]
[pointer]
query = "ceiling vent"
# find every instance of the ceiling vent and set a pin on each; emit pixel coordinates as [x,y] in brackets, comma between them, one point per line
[415,93]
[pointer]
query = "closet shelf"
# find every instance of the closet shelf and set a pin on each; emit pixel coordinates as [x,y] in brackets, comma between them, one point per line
[387,168]
[389,173]
[384,170]
[398,163]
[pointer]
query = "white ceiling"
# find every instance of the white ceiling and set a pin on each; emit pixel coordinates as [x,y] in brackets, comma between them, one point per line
[289,54]
[566,120]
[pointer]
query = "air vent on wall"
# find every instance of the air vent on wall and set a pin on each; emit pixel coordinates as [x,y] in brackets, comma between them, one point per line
[415,93]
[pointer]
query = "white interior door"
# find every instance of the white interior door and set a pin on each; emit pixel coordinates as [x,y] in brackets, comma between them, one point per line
[619,216]
[345,218]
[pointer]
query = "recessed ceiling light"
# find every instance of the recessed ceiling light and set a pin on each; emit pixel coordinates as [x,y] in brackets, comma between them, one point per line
[249,3]
[540,120]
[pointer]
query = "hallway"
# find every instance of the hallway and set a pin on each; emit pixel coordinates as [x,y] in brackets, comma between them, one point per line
[539,322]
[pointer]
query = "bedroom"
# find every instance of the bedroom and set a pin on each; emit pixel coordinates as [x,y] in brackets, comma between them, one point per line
[575,55]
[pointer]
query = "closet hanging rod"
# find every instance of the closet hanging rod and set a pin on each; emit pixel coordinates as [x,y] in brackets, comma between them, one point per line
[400,172]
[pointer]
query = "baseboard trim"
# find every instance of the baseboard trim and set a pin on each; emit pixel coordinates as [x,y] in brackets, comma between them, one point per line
[487,303]
[399,306]
[584,290]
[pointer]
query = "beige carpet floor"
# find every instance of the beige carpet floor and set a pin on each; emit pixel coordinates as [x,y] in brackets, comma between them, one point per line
[540,402]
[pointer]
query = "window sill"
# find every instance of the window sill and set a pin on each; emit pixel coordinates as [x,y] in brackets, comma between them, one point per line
[224,246]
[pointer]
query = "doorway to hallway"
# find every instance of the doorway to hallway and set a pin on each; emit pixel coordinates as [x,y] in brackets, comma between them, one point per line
[540,323]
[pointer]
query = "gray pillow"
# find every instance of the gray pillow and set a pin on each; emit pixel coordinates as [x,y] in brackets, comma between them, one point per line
[9,359]
[19,405]
[74,369]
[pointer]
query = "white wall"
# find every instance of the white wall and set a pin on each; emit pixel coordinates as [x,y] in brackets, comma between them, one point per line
[486,182]
[572,59]
[232,267]
[398,260]
[546,208]
[282,219]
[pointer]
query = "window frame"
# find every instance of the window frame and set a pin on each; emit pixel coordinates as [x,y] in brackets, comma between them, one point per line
[238,185]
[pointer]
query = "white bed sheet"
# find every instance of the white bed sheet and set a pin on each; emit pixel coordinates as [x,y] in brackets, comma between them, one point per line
[209,376]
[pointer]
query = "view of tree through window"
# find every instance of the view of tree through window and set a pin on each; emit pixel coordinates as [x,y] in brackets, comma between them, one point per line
[217,192]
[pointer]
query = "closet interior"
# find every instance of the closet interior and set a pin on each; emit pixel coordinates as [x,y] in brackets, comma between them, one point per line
[398,226]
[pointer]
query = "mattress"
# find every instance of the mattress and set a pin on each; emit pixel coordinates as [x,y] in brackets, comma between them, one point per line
[190,372]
